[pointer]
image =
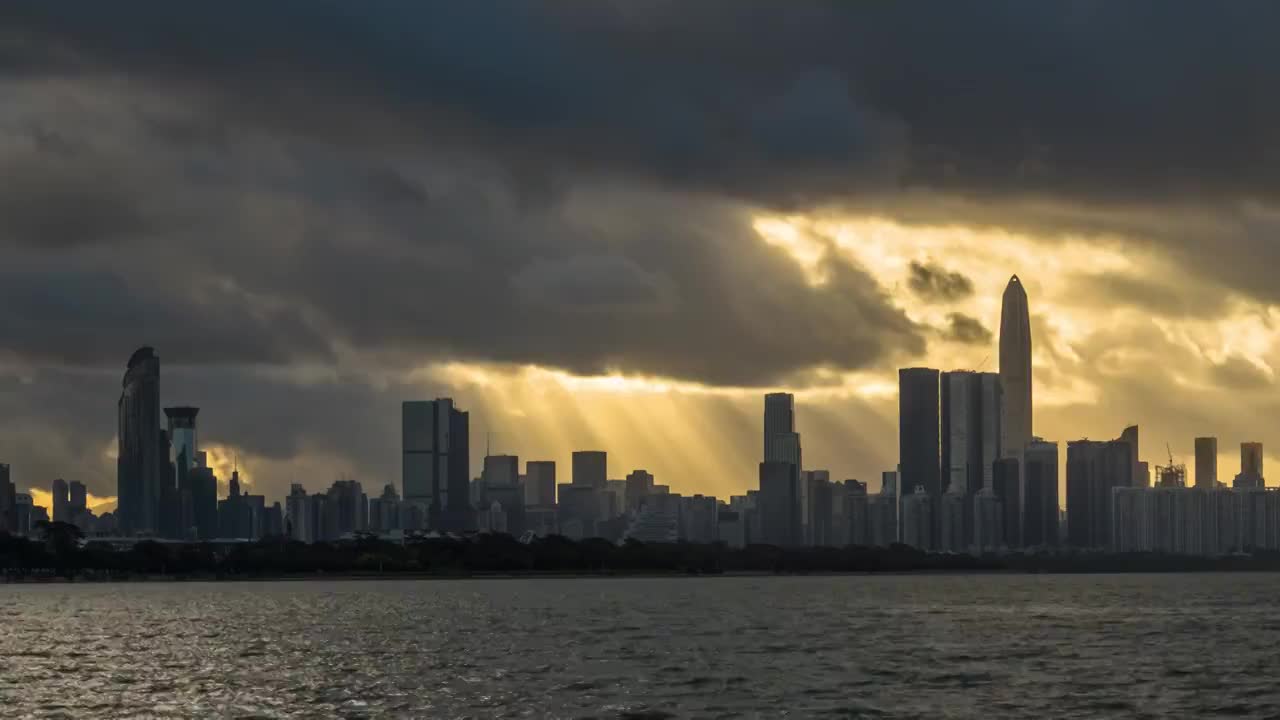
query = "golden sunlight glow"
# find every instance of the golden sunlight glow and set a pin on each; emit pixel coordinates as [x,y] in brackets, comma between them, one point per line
[792,235]
[99,505]
[224,459]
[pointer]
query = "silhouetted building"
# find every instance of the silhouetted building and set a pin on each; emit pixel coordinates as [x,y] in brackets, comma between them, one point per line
[970,439]
[1137,477]
[731,528]
[138,469]
[23,517]
[182,433]
[235,517]
[61,501]
[1015,369]
[816,513]
[639,487]
[1094,469]
[204,497]
[540,483]
[346,509]
[579,509]
[779,419]
[501,477]
[918,442]
[1206,462]
[779,504]
[9,520]
[1040,508]
[77,498]
[1008,490]
[918,519]
[436,462]
[854,524]
[952,521]
[1250,467]
[988,520]
[698,519]
[591,468]
[385,511]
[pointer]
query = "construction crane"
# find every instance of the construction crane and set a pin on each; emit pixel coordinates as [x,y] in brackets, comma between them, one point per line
[1170,450]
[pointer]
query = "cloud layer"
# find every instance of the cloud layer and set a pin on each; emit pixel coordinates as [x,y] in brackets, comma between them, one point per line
[311,208]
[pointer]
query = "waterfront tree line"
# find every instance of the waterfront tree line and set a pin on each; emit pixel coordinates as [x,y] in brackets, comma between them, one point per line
[61,552]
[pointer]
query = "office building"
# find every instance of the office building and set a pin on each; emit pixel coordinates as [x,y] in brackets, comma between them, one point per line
[501,479]
[639,486]
[731,527]
[779,504]
[1206,462]
[204,497]
[591,468]
[23,515]
[9,520]
[436,462]
[61,501]
[540,483]
[918,443]
[138,467]
[578,510]
[779,419]
[1015,369]
[970,435]
[77,499]
[816,509]
[1040,507]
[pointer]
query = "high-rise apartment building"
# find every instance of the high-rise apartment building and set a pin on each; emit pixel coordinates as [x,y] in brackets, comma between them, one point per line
[1094,469]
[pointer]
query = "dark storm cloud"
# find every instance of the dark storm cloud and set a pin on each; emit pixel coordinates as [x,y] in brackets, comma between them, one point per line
[1105,101]
[965,329]
[932,282]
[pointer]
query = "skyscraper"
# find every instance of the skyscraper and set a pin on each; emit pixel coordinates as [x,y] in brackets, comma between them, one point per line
[8,503]
[436,462]
[1094,469]
[61,501]
[1015,368]
[779,419]
[918,448]
[501,475]
[540,483]
[138,471]
[591,468]
[1138,478]
[779,504]
[77,499]
[1251,460]
[970,429]
[1206,462]
[182,433]
[1040,494]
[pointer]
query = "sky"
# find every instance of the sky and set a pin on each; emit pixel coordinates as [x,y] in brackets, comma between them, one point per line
[616,225]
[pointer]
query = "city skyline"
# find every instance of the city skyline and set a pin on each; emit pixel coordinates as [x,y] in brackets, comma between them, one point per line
[580,268]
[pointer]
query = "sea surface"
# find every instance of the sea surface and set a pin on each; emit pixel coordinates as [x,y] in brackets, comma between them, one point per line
[927,646]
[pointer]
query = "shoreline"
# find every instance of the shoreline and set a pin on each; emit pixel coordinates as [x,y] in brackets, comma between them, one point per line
[417,577]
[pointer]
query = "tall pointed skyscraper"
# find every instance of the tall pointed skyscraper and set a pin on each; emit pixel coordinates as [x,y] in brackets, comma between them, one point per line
[1015,369]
